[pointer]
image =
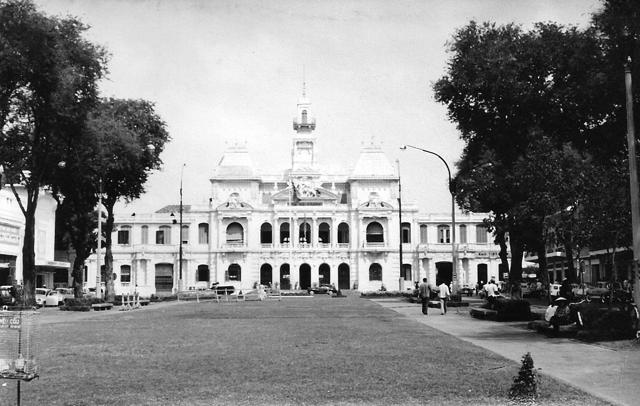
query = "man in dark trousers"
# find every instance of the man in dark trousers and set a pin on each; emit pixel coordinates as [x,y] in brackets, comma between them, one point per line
[424,292]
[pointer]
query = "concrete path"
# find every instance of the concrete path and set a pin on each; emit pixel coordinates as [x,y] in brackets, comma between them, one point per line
[612,375]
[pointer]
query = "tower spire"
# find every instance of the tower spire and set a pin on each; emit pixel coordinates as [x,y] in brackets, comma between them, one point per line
[304,82]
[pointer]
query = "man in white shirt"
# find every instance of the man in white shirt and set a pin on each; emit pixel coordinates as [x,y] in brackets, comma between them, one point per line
[492,291]
[443,294]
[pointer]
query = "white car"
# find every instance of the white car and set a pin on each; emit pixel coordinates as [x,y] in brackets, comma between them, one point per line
[54,298]
[41,295]
[67,293]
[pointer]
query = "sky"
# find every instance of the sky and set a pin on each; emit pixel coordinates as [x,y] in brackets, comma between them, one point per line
[225,71]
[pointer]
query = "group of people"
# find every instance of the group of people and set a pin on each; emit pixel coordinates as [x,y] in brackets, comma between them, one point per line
[490,289]
[424,293]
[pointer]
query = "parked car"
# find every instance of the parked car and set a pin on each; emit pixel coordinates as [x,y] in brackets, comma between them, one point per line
[41,296]
[54,298]
[7,295]
[67,293]
[323,288]
[467,290]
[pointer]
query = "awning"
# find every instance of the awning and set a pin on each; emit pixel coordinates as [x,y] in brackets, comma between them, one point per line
[52,264]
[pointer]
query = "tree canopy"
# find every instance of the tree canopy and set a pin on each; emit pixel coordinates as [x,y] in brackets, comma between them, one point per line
[48,84]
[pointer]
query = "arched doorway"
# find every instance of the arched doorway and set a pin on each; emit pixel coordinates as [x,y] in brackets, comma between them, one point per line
[285,277]
[482,273]
[324,274]
[164,278]
[305,276]
[265,275]
[343,276]
[444,272]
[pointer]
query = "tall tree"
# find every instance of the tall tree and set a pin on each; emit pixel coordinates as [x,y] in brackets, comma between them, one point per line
[130,137]
[48,76]
[505,88]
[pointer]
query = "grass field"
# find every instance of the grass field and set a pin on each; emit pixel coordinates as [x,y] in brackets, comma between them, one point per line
[315,350]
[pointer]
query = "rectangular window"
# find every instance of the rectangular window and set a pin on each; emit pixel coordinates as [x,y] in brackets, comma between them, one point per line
[423,234]
[123,237]
[481,234]
[463,234]
[160,237]
[144,235]
[443,235]
[185,234]
[203,233]
[125,273]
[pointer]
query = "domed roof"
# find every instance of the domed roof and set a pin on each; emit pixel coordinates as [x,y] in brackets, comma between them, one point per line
[235,163]
[373,164]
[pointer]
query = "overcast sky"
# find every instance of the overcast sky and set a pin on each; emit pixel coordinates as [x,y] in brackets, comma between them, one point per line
[233,70]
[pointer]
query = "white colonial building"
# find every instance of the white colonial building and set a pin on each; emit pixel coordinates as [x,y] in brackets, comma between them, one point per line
[49,272]
[296,228]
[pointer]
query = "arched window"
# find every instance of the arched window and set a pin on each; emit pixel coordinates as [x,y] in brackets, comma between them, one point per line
[203,273]
[304,116]
[203,233]
[266,234]
[144,235]
[343,233]
[163,235]
[125,273]
[234,273]
[463,234]
[324,233]
[284,233]
[443,234]
[123,235]
[375,272]
[481,234]
[375,232]
[305,232]
[235,233]
[406,233]
[424,234]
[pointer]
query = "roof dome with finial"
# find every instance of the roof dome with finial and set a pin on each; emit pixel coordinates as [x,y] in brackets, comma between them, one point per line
[235,163]
[373,163]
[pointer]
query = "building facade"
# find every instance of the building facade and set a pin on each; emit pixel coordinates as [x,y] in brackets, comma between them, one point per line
[299,227]
[49,272]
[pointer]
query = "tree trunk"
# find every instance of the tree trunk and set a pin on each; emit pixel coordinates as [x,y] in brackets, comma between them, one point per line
[515,272]
[29,257]
[571,267]
[78,274]
[504,255]
[110,294]
[543,273]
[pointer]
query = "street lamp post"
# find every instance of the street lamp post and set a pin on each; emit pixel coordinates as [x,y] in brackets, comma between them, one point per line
[180,234]
[454,274]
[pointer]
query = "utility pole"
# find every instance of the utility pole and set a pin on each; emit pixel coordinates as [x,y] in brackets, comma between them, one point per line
[402,276]
[633,179]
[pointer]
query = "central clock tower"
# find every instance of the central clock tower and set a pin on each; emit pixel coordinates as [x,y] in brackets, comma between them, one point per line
[303,151]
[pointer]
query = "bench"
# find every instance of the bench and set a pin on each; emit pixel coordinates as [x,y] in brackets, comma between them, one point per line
[482,313]
[101,306]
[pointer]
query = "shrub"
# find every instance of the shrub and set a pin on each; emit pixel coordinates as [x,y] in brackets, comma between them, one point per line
[607,324]
[525,385]
[512,310]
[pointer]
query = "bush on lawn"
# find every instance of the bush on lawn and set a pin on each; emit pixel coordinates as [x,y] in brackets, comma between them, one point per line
[525,385]
[510,309]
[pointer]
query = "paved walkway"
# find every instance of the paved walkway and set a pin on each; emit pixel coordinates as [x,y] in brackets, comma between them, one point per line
[610,374]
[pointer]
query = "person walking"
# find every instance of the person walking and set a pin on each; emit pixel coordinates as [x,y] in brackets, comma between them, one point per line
[424,292]
[443,294]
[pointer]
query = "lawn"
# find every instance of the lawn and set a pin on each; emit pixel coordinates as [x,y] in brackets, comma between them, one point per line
[316,350]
